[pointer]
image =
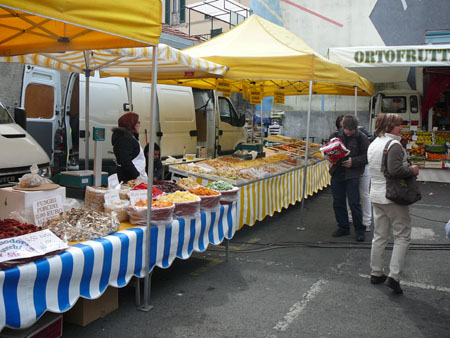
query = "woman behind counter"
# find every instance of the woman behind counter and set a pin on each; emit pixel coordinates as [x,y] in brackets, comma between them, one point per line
[127,149]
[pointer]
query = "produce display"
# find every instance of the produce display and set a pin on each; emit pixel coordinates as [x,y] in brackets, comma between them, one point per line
[12,228]
[82,225]
[209,199]
[187,183]
[168,186]
[428,149]
[220,186]
[119,209]
[94,198]
[186,204]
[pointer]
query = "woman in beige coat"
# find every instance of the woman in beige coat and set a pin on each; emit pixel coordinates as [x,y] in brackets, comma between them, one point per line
[387,214]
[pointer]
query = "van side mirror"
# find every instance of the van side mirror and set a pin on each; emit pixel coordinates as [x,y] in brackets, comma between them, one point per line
[20,116]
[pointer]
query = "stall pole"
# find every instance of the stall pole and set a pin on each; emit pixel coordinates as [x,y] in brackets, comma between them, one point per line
[262,125]
[87,74]
[151,151]
[130,93]
[301,226]
[356,101]
[370,114]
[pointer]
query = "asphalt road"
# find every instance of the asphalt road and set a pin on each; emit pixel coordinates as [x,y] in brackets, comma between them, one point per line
[283,282]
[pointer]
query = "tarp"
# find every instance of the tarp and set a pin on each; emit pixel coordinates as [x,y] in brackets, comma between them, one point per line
[54,25]
[260,52]
[125,62]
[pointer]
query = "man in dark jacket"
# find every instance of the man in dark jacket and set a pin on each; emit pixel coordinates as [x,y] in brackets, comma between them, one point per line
[345,175]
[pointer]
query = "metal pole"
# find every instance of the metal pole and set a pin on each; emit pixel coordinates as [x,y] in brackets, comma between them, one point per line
[370,115]
[151,151]
[262,125]
[87,75]
[356,101]
[302,227]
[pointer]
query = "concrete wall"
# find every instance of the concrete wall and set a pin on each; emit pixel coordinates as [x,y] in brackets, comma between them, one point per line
[10,84]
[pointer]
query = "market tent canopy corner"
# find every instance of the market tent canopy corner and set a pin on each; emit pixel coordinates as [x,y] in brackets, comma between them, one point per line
[258,52]
[33,26]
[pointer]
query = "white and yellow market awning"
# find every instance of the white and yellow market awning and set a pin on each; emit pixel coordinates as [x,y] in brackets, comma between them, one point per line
[34,26]
[126,62]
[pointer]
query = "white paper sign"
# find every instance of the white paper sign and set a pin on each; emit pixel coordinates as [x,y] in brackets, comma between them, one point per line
[112,197]
[47,208]
[113,181]
[408,146]
[435,128]
[30,245]
[414,137]
[137,195]
[414,128]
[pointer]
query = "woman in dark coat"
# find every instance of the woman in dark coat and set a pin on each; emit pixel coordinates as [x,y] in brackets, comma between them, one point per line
[127,149]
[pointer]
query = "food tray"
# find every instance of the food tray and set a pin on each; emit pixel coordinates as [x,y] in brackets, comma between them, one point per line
[210,202]
[187,209]
[229,196]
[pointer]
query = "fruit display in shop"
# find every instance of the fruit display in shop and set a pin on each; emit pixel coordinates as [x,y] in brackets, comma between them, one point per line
[441,137]
[424,137]
[12,228]
[406,135]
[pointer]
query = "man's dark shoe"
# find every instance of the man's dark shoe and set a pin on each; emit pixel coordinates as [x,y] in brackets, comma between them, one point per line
[394,285]
[360,237]
[340,233]
[377,279]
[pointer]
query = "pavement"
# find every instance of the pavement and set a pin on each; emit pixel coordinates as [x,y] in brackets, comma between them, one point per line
[283,282]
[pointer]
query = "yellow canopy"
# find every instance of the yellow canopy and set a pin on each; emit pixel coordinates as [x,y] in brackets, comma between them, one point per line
[31,26]
[125,62]
[258,52]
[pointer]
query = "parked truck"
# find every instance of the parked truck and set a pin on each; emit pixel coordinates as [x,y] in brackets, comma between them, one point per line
[405,103]
[18,150]
[186,117]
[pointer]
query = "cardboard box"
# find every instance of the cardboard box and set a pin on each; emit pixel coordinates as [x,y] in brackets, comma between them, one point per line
[86,311]
[18,200]
[49,326]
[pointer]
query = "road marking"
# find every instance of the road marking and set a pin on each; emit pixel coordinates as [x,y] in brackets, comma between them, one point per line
[418,285]
[422,233]
[212,263]
[298,307]
[404,4]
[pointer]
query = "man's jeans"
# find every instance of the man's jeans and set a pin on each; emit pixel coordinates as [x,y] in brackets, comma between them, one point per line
[343,189]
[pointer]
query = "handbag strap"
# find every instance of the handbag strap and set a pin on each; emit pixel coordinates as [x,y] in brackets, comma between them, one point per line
[384,158]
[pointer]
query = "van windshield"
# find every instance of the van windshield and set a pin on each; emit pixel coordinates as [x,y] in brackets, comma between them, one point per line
[4,116]
[394,104]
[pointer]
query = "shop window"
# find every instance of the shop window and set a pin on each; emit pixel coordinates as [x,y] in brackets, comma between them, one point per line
[39,101]
[215,32]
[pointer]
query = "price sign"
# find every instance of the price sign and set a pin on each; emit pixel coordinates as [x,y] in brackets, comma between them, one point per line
[413,128]
[112,197]
[255,96]
[408,146]
[226,93]
[278,96]
[245,91]
[113,181]
[137,195]
[414,137]
[223,85]
[47,208]
[435,128]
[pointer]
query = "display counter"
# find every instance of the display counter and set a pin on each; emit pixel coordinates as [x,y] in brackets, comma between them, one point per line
[86,269]
[263,197]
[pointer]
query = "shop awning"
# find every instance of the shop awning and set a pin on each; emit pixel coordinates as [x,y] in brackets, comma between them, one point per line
[381,64]
[125,62]
[54,26]
[260,53]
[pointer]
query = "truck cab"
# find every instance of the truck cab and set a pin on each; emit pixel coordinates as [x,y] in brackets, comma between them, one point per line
[405,103]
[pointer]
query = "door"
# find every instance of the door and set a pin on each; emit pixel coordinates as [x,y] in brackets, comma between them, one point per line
[231,127]
[41,98]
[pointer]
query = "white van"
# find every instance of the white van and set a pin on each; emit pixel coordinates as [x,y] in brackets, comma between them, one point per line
[186,118]
[18,151]
[405,103]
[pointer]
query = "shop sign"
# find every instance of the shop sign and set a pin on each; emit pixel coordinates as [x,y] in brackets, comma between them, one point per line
[226,93]
[30,245]
[137,195]
[278,96]
[112,197]
[46,209]
[223,85]
[255,96]
[245,91]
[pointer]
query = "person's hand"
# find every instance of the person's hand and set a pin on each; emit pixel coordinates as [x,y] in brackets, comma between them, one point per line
[347,163]
[415,169]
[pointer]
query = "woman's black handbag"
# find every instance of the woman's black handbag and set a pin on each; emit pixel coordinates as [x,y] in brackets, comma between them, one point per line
[403,191]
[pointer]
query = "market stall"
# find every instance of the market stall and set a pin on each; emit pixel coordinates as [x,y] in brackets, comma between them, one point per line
[86,269]
[268,184]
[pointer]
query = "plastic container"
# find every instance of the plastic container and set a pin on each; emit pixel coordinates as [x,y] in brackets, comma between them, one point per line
[162,216]
[210,202]
[187,209]
[229,196]
[119,209]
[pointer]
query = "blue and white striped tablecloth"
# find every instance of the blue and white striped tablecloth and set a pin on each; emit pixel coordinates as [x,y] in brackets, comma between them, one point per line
[87,269]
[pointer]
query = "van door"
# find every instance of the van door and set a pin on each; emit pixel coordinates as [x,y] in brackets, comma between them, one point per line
[108,100]
[175,120]
[41,98]
[231,127]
